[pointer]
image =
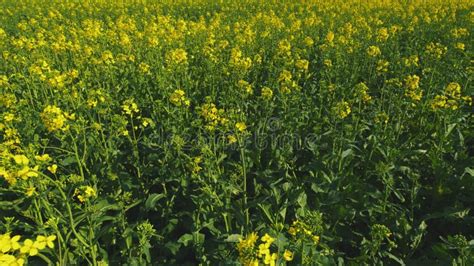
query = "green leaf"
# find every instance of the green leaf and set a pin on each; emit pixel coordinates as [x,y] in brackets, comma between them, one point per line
[186,239]
[469,171]
[346,153]
[150,202]
[393,257]
[302,199]
[68,161]
[265,209]
[450,129]
[233,238]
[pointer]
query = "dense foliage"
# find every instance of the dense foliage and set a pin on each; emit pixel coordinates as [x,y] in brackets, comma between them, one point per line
[236,132]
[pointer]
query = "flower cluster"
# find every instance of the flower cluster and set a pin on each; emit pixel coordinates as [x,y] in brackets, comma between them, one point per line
[286,81]
[55,119]
[252,255]
[213,116]
[247,250]
[15,253]
[451,98]
[85,193]
[129,107]
[178,98]
[362,92]
[412,88]
[177,57]
[266,93]
[342,109]
[14,167]
[300,229]
[239,62]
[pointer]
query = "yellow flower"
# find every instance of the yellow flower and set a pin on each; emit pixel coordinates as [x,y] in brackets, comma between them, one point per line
[177,57]
[263,250]
[330,37]
[315,239]
[342,109]
[327,62]
[288,255]
[381,117]
[308,41]
[246,249]
[3,80]
[460,46]
[362,92]
[89,191]
[292,231]
[241,126]
[178,98]
[43,158]
[147,121]
[53,168]
[412,87]
[8,117]
[231,139]
[54,118]
[144,68]
[453,90]
[29,248]
[244,85]
[284,47]
[267,93]
[10,260]
[382,65]
[85,192]
[285,76]
[302,64]
[439,102]
[373,51]
[30,191]
[382,34]
[21,159]
[129,107]
[44,241]
[411,61]
[436,50]
[268,239]
[8,243]
[107,57]
[270,259]
[26,172]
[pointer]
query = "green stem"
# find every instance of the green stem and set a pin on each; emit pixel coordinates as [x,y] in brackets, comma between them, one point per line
[68,207]
[76,154]
[244,173]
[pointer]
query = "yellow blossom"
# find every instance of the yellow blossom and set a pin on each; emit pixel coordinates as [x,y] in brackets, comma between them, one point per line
[43,158]
[342,109]
[178,98]
[8,243]
[30,191]
[53,168]
[240,126]
[288,255]
[330,37]
[29,248]
[302,64]
[21,159]
[54,118]
[177,57]
[129,107]
[373,51]
[44,241]
[267,93]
